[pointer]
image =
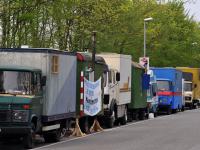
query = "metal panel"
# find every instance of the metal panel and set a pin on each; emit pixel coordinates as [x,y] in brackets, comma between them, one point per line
[138,95]
[121,63]
[29,60]
[61,92]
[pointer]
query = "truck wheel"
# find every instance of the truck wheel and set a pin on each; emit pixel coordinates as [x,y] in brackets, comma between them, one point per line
[155,114]
[111,120]
[124,119]
[183,108]
[63,132]
[29,138]
[141,115]
[130,116]
[174,111]
[84,124]
[47,137]
[169,111]
[53,136]
[191,106]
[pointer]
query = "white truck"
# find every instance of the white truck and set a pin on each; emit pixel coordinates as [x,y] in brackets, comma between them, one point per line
[117,90]
[187,90]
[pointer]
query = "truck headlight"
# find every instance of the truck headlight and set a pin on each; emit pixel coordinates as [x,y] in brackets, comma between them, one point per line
[20,115]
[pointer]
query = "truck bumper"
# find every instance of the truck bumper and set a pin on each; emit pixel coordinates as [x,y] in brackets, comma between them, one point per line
[10,131]
[188,104]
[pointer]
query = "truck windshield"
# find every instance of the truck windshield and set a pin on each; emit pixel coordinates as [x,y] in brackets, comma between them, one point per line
[163,85]
[13,82]
[188,86]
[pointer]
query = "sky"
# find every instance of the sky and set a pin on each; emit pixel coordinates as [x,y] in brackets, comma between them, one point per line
[193,6]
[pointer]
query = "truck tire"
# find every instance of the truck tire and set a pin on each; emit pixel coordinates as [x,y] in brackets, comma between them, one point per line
[53,136]
[84,124]
[111,120]
[169,111]
[124,119]
[130,116]
[141,115]
[183,108]
[28,139]
[174,111]
[155,114]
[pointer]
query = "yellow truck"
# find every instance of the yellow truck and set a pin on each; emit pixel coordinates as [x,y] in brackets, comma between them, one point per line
[192,99]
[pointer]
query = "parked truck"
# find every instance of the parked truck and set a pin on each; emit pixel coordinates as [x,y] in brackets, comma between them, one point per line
[169,81]
[152,94]
[137,109]
[84,65]
[37,93]
[192,86]
[117,91]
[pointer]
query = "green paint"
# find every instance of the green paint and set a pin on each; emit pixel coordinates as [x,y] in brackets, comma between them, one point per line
[138,96]
[83,66]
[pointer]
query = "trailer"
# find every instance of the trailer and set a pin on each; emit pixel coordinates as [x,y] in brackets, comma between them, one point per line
[117,91]
[37,93]
[137,109]
[84,64]
[169,81]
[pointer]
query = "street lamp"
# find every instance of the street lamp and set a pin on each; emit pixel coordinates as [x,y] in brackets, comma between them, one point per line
[145,20]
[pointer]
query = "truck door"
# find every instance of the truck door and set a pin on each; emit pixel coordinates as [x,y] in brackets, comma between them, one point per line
[112,85]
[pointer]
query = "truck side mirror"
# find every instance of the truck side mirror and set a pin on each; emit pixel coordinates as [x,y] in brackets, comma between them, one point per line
[117,76]
[43,80]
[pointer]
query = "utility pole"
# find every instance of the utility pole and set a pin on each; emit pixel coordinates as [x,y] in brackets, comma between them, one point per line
[93,50]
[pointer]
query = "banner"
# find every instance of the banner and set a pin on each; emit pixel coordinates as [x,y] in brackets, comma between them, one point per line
[92,97]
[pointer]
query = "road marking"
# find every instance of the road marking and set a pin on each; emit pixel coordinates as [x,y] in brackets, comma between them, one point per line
[105,130]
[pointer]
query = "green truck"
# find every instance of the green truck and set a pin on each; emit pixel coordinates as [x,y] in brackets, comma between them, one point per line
[138,106]
[37,93]
[84,65]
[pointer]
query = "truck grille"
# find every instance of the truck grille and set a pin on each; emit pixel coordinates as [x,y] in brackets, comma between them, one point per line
[5,115]
[187,98]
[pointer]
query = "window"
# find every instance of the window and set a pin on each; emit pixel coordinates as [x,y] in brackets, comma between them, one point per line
[37,83]
[55,64]
[109,77]
[104,79]
[163,85]
[188,86]
[114,75]
[14,82]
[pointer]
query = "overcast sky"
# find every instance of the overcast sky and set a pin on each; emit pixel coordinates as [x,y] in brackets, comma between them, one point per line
[193,6]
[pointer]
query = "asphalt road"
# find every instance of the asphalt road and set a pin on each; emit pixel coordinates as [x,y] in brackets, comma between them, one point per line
[175,132]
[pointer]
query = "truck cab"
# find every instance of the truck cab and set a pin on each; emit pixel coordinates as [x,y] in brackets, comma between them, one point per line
[152,94]
[111,95]
[188,94]
[164,91]
[117,91]
[111,86]
[20,101]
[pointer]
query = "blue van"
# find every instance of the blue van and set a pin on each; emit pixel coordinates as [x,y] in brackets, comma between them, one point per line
[169,82]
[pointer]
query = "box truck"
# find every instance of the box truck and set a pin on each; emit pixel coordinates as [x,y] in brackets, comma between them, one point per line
[37,93]
[192,99]
[84,64]
[137,109]
[117,91]
[169,81]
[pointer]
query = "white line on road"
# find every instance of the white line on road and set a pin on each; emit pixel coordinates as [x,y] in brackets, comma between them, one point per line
[106,130]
